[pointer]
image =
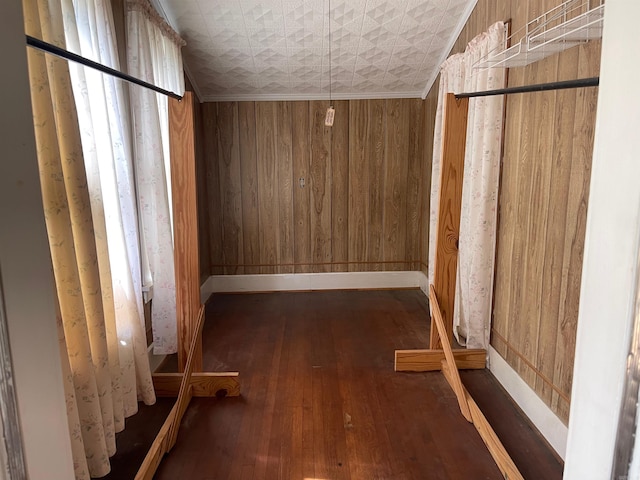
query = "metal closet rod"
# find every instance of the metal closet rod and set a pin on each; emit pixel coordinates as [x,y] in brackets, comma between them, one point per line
[540,87]
[62,53]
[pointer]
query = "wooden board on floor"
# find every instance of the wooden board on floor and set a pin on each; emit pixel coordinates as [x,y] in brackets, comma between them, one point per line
[456,383]
[158,448]
[489,437]
[203,384]
[425,360]
[185,393]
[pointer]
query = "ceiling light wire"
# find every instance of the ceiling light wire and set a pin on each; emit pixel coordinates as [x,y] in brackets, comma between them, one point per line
[328,119]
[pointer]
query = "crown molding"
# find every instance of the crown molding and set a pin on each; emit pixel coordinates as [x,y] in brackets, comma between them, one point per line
[272,97]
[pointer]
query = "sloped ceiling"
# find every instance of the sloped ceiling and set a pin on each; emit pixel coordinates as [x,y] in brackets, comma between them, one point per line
[280,49]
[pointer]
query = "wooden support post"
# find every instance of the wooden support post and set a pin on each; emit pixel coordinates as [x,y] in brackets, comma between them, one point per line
[185,226]
[448,229]
[424,360]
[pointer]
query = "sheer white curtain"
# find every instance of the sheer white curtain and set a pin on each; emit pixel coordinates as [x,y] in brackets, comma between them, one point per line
[154,54]
[474,283]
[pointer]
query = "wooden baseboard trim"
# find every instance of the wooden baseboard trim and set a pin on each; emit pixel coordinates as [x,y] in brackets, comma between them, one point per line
[203,384]
[427,360]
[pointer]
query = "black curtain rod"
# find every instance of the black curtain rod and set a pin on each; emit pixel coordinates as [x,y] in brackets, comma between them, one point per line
[540,87]
[61,52]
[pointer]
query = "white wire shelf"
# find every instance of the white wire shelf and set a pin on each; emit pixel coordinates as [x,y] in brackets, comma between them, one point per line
[565,26]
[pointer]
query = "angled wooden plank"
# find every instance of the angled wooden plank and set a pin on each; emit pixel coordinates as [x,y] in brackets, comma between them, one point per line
[494,445]
[450,360]
[205,384]
[158,448]
[429,360]
[448,229]
[184,395]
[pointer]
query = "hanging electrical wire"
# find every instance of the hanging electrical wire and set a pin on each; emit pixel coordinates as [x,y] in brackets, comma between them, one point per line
[331,112]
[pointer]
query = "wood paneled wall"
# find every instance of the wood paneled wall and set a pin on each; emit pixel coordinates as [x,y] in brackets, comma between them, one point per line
[285,194]
[543,204]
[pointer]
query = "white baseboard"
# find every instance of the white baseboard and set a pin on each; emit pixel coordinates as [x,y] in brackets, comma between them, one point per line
[310,281]
[549,425]
[424,283]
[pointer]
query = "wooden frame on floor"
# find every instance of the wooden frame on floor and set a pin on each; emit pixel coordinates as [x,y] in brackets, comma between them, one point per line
[442,292]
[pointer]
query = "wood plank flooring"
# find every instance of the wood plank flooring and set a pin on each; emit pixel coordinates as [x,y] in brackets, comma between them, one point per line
[320,399]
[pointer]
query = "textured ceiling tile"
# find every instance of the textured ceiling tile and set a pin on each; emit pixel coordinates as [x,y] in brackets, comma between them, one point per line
[283,47]
[369,70]
[219,8]
[403,71]
[305,56]
[383,11]
[221,35]
[271,56]
[266,37]
[305,74]
[406,54]
[379,55]
[180,8]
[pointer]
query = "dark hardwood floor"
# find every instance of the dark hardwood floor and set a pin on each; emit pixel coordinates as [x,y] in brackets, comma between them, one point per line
[320,399]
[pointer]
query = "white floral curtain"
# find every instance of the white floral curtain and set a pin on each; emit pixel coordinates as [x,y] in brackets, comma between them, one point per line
[474,283]
[154,55]
[85,183]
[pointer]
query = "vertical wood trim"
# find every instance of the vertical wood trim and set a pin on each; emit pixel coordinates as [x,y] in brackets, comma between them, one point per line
[320,169]
[267,185]
[201,178]
[358,184]
[376,153]
[249,187]
[451,177]
[415,179]
[230,186]
[340,186]
[214,210]
[395,187]
[301,196]
[185,227]
[285,186]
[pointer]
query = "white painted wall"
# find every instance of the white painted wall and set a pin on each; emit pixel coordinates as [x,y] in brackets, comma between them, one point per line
[26,267]
[611,251]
